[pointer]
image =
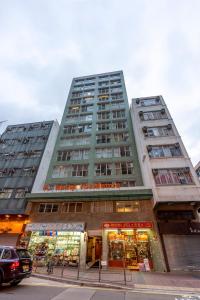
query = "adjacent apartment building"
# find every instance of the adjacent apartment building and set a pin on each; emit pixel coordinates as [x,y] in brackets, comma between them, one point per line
[94,203]
[197,169]
[167,169]
[23,150]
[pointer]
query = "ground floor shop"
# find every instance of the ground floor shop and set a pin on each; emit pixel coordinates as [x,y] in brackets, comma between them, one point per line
[60,243]
[129,244]
[181,243]
[11,229]
[119,228]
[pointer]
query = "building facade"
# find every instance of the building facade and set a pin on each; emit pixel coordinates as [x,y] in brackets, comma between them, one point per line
[94,203]
[167,169]
[197,169]
[22,149]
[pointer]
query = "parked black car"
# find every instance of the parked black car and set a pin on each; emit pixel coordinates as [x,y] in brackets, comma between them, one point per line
[15,264]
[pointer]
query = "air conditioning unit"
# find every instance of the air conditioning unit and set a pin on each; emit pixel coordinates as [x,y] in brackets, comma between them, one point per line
[140,113]
[149,148]
[144,129]
[137,101]
[162,111]
[176,145]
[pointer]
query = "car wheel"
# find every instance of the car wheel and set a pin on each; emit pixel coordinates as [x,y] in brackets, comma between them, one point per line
[14,283]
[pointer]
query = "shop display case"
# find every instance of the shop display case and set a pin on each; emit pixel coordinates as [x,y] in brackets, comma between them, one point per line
[62,248]
[128,248]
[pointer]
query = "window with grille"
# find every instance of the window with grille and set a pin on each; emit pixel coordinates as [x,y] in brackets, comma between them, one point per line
[172,176]
[164,151]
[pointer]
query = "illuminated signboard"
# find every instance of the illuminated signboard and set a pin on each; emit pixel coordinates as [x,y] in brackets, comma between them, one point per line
[113,225]
[83,186]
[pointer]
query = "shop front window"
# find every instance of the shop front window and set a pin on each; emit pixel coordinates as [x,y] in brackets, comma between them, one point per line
[127,206]
[130,248]
[61,247]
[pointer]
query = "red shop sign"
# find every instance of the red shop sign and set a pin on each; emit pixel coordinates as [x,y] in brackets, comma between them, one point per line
[111,225]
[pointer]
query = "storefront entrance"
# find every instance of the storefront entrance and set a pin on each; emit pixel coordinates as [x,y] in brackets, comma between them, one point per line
[128,246]
[94,249]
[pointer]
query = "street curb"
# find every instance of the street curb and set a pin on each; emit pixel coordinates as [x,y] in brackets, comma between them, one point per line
[139,287]
[83,283]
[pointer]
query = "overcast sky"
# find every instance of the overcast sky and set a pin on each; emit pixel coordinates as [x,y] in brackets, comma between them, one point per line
[44,44]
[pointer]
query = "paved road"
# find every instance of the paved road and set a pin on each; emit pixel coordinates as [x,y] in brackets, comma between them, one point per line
[39,289]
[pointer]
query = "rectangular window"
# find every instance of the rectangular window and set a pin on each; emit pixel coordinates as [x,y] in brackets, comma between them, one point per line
[103,152]
[118,114]
[121,137]
[127,206]
[75,141]
[103,126]
[103,138]
[172,176]
[48,208]
[6,193]
[77,94]
[102,207]
[79,170]
[72,155]
[164,151]
[117,96]
[74,110]
[123,151]
[103,90]
[124,168]
[158,131]
[149,101]
[62,172]
[87,108]
[20,193]
[117,105]
[103,115]
[119,125]
[153,115]
[75,101]
[102,98]
[103,106]
[74,207]
[104,169]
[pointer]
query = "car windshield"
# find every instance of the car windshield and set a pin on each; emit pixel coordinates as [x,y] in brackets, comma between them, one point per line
[23,253]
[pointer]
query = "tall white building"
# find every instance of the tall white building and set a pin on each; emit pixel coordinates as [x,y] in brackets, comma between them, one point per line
[167,169]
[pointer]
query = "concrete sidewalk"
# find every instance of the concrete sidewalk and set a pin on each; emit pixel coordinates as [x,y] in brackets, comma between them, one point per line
[183,281]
